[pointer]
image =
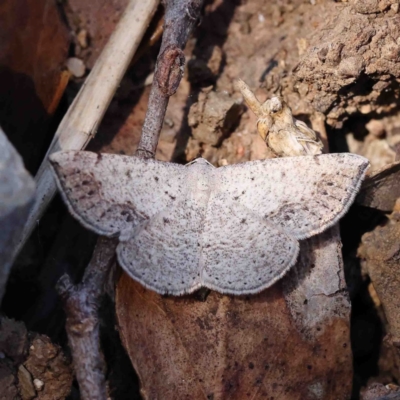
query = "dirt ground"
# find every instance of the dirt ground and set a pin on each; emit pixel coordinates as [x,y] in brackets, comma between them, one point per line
[336,64]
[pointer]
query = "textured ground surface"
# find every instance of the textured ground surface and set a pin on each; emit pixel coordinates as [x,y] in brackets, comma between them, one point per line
[336,64]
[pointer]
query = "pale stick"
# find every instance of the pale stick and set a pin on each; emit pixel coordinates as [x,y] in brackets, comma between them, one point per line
[80,123]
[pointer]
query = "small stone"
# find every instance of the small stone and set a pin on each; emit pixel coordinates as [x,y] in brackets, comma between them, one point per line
[376,128]
[302,46]
[351,66]
[76,66]
[82,38]
[392,386]
[214,116]
[38,384]
[351,109]
[334,54]
[169,122]
[13,340]
[380,85]
[384,5]
[391,52]
[365,109]
[366,6]
[322,53]
[26,387]
[303,88]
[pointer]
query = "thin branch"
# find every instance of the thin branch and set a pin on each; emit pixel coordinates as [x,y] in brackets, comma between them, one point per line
[81,303]
[180,18]
[85,114]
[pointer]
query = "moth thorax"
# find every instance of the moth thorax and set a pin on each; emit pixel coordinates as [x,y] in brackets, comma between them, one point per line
[203,184]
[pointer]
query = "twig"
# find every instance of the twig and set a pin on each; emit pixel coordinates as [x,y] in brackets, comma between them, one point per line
[16,196]
[81,303]
[80,123]
[180,18]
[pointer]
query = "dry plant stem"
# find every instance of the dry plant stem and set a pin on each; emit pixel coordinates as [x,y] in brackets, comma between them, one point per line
[180,18]
[80,123]
[81,303]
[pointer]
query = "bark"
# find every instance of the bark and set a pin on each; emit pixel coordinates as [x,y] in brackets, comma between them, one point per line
[180,18]
[81,304]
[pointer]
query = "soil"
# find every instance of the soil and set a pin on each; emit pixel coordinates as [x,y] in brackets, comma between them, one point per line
[336,64]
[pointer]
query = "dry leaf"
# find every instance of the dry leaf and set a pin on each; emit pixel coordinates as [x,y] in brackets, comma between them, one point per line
[292,346]
[33,51]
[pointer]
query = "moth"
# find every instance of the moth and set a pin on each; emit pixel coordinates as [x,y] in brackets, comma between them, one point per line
[233,229]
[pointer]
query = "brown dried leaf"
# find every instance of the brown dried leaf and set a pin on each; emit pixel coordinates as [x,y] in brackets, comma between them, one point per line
[295,346]
[37,49]
[33,51]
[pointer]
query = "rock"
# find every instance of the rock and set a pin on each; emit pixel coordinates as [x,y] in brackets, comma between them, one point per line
[76,66]
[376,128]
[8,382]
[13,339]
[82,38]
[26,387]
[351,66]
[366,6]
[377,391]
[214,116]
[38,384]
